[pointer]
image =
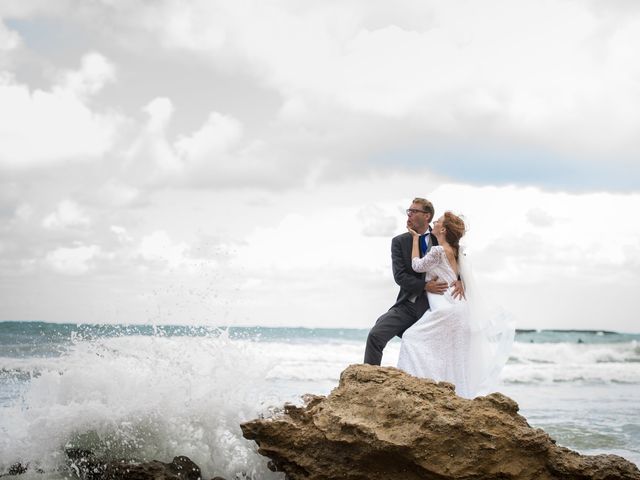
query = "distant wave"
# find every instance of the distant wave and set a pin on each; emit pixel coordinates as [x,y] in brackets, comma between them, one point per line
[20,333]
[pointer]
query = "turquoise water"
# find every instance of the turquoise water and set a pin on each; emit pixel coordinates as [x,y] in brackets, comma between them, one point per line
[159,391]
[41,338]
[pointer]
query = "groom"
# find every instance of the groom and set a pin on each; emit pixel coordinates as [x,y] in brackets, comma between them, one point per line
[412,300]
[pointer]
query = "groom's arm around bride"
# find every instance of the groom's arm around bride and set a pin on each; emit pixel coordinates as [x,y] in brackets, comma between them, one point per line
[412,301]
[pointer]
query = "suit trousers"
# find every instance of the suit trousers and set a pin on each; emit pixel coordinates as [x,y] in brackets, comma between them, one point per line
[390,324]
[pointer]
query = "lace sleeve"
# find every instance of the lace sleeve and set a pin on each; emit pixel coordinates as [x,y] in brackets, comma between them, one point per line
[426,263]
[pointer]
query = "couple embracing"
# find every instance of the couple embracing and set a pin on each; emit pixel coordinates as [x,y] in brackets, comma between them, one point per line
[447,333]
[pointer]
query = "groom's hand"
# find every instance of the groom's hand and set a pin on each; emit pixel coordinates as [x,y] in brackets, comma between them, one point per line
[458,290]
[436,286]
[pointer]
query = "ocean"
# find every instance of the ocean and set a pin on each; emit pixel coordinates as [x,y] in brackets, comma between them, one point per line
[154,392]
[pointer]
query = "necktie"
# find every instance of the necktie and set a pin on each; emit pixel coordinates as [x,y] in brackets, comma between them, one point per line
[423,244]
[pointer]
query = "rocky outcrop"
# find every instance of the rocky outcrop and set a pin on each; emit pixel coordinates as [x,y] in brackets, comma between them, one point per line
[381,423]
[86,466]
[15,469]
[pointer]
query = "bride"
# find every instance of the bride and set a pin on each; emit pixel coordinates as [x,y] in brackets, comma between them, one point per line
[457,340]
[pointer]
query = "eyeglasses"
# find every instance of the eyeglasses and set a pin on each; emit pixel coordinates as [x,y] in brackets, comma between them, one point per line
[411,211]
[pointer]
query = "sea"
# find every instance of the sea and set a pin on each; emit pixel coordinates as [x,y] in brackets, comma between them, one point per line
[155,392]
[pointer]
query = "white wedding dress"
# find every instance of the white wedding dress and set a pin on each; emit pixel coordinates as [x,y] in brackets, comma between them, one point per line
[458,341]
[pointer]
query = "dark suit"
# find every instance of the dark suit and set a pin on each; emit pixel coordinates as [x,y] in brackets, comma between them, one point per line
[404,312]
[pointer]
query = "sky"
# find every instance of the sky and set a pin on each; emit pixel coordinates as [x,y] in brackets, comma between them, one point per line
[248,162]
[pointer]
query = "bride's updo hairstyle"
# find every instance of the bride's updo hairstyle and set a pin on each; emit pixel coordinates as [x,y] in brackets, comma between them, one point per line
[455,230]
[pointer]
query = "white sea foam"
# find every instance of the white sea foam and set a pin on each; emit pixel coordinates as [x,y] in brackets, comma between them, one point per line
[571,362]
[572,373]
[144,397]
[575,353]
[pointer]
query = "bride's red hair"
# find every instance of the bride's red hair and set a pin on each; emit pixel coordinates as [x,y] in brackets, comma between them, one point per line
[455,229]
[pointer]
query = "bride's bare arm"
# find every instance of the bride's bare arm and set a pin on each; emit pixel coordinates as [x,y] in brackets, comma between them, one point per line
[415,249]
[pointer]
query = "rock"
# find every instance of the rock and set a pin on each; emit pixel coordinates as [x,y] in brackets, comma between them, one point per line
[86,466]
[381,423]
[15,469]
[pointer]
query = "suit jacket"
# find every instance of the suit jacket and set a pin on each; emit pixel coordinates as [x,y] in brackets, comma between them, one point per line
[411,283]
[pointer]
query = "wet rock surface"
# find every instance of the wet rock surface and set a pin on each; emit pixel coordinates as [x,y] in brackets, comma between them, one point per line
[87,467]
[84,464]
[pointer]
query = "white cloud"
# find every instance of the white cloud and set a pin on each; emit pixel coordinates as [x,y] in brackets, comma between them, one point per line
[217,154]
[68,214]
[151,159]
[9,39]
[31,7]
[72,260]
[362,78]
[212,141]
[24,212]
[377,222]
[43,127]
[569,90]
[539,218]
[160,111]
[94,73]
[117,194]
[320,238]
[121,234]
[158,247]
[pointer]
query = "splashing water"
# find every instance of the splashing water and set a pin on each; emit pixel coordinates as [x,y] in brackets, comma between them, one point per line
[143,397]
